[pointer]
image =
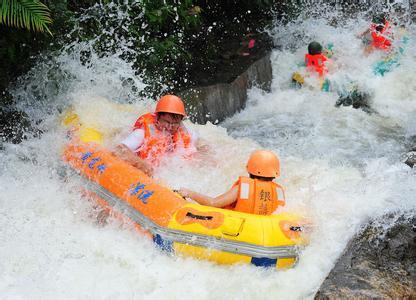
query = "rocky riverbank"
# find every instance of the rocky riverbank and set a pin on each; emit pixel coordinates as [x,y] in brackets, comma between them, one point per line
[378,263]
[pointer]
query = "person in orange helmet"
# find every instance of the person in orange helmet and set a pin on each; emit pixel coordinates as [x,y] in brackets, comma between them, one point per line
[156,134]
[256,194]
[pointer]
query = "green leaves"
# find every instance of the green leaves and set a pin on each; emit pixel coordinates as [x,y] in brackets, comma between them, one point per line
[28,14]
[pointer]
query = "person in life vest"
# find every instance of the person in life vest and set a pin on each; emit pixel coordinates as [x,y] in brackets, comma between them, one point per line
[381,36]
[378,35]
[157,134]
[256,194]
[315,60]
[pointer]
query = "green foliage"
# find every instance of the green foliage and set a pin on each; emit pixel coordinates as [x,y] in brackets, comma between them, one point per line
[163,39]
[19,49]
[28,14]
[152,34]
[169,23]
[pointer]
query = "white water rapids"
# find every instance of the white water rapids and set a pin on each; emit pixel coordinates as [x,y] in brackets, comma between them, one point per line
[341,166]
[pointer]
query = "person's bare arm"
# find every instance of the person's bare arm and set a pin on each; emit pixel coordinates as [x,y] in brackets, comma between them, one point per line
[219,201]
[202,146]
[362,34]
[204,153]
[130,157]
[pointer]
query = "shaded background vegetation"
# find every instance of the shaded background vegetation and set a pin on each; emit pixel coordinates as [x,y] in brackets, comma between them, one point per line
[173,44]
[168,39]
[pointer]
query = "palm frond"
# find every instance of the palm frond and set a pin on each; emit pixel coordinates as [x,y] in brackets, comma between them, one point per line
[29,14]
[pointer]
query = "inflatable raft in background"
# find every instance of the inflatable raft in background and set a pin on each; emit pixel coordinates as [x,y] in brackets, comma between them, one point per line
[392,59]
[350,92]
[303,78]
[390,62]
[175,225]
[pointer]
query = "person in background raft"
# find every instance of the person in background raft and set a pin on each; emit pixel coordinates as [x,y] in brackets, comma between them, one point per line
[257,194]
[315,60]
[156,134]
[379,36]
[248,44]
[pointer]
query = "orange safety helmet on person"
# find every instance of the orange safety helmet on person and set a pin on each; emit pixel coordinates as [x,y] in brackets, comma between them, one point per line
[380,38]
[316,62]
[263,163]
[171,104]
[157,143]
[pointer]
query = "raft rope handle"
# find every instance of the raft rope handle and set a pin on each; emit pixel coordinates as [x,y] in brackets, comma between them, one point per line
[177,193]
[296,228]
[199,217]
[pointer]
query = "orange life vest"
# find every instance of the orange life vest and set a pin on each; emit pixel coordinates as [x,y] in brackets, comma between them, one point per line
[381,38]
[157,143]
[257,196]
[316,62]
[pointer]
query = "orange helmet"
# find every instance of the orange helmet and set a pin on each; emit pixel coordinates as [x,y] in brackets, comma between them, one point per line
[263,163]
[170,104]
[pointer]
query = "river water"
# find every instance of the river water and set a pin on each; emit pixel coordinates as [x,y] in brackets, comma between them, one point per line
[340,166]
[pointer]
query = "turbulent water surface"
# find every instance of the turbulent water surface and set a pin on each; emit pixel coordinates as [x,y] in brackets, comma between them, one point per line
[341,166]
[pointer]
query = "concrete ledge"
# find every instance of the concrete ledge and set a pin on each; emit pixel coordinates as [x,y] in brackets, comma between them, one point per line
[216,102]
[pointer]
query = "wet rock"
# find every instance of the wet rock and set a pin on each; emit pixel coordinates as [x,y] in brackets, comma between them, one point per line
[411,158]
[356,99]
[412,5]
[378,263]
[216,102]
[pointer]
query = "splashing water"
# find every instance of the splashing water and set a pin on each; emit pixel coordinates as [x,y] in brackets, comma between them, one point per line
[341,165]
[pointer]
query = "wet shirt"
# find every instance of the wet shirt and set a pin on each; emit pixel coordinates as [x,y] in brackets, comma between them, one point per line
[136,139]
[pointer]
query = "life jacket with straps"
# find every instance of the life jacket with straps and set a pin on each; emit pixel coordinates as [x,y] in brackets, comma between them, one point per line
[157,143]
[316,62]
[381,39]
[257,196]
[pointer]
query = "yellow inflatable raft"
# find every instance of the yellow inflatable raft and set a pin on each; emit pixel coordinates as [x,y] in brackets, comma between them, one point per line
[175,225]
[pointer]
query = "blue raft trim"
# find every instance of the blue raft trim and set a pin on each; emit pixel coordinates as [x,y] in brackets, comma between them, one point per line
[264,262]
[165,245]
